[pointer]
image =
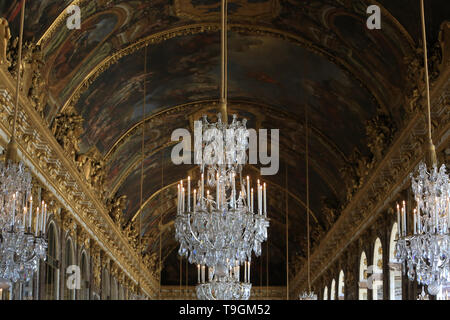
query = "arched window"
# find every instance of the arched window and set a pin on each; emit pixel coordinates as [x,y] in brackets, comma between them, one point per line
[377,270]
[106,288]
[341,291]
[325,293]
[395,268]
[84,269]
[363,277]
[121,292]
[333,290]
[69,293]
[114,289]
[51,265]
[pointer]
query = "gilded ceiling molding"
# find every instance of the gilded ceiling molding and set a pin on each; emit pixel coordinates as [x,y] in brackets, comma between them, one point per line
[161,113]
[61,19]
[199,107]
[386,180]
[41,152]
[138,212]
[258,293]
[212,27]
[397,24]
[137,160]
[115,57]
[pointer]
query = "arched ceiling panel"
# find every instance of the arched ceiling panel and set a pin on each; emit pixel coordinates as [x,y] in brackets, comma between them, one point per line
[159,170]
[111,26]
[186,69]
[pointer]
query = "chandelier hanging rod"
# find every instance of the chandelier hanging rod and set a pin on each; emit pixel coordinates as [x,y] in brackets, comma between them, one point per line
[142,172]
[307,196]
[431,148]
[224,63]
[11,151]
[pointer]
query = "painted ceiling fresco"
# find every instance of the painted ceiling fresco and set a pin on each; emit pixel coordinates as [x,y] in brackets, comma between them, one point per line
[109,26]
[186,69]
[284,56]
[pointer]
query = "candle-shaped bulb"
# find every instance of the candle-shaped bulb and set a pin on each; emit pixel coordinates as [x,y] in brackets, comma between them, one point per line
[24,217]
[251,201]
[189,195]
[195,199]
[265,200]
[37,222]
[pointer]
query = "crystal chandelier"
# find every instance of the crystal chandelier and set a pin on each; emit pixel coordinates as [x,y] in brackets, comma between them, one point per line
[20,249]
[426,251]
[219,230]
[219,225]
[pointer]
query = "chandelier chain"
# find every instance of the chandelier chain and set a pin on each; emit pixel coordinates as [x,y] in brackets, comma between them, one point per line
[425,56]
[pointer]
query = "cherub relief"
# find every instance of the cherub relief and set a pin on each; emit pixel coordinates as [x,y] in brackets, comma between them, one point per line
[379,131]
[37,92]
[67,129]
[132,234]
[330,211]
[5,36]
[354,172]
[116,207]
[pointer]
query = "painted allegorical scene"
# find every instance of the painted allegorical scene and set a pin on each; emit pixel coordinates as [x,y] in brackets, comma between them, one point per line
[171,82]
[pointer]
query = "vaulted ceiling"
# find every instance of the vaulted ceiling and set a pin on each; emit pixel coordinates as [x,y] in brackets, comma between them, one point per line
[284,56]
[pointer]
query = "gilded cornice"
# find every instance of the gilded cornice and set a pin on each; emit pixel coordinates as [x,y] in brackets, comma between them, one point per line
[258,293]
[115,57]
[46,159]
[60,20]
[385,181]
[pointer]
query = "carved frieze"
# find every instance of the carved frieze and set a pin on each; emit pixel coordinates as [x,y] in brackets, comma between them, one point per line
[67,129]
[49,160]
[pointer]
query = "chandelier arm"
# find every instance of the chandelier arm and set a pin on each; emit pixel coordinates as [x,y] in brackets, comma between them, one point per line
[190,228]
